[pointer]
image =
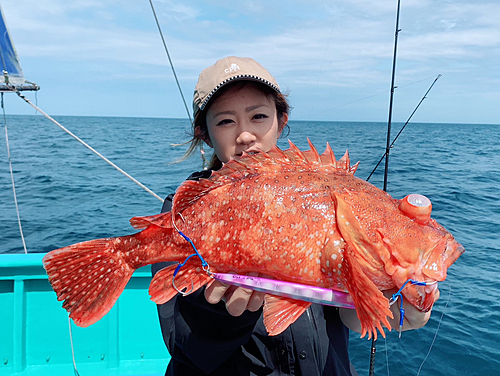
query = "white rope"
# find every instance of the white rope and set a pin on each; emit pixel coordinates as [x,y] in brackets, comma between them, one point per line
[72,348]
[386,353]
[12,178]
[92,149]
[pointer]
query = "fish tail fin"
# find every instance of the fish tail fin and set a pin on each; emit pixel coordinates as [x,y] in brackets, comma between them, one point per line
[89,277]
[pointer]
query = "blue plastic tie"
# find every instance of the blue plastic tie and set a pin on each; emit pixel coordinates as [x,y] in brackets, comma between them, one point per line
[395,296]
[204,264]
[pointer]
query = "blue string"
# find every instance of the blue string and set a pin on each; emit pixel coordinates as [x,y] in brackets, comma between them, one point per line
[204,264]
[398,294]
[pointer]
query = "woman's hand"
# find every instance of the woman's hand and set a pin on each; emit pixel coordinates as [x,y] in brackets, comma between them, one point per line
[413,319]
[238,299]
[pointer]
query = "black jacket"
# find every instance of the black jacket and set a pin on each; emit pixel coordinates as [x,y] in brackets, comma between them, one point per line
[204,339]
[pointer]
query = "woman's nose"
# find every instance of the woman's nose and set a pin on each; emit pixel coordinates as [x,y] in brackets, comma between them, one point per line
[245,137]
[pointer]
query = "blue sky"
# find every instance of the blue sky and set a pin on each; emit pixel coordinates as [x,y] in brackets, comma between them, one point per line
[334,58]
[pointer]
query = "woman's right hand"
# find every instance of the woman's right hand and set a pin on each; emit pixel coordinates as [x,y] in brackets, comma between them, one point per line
[238,299]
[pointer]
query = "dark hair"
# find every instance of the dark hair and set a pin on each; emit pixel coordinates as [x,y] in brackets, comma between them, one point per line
[200,131]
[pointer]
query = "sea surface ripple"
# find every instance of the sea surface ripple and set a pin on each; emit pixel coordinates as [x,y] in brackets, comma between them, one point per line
[67,195]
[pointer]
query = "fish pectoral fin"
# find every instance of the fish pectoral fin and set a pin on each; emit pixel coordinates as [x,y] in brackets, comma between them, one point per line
[360,255]
[369,252]
[189,278]
[280,313]
[161,220]
[372,307]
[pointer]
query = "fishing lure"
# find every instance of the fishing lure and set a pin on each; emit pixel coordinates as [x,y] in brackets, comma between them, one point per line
[291,290]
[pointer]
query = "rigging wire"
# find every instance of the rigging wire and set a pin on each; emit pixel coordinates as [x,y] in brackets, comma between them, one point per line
[90,148]
[12,179]
[170,61]
[405,124]
[372,95]
[202,152]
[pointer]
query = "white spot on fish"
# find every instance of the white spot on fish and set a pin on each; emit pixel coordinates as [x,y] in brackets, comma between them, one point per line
[334,256]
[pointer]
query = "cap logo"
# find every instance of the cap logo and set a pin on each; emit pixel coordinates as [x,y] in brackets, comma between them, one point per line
[233,68]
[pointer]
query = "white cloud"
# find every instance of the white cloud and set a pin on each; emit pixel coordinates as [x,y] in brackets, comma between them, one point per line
[309,44]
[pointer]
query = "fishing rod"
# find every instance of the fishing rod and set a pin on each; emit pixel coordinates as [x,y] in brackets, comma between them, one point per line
[405,124]
[388,147]
[373,348]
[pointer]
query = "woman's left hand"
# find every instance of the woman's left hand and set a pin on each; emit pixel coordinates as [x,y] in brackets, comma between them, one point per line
[237,299]
[413,319]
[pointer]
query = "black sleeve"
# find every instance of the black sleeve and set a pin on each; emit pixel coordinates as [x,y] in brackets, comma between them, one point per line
[201,336]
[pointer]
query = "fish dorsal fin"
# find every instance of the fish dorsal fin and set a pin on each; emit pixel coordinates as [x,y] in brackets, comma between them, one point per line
[277,160]
[280,313]
[255,163]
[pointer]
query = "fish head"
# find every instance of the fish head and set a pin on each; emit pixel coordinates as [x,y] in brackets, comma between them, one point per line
[422,251]
[392,241]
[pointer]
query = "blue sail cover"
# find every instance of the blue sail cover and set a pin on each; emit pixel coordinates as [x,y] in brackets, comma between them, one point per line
[8,56]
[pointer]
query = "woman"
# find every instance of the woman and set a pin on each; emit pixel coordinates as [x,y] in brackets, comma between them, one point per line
[238,107]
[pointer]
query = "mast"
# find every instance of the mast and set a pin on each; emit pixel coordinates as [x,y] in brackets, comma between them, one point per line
[11,77]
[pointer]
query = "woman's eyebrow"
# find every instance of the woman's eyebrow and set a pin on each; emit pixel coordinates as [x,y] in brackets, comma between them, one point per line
[251,108]
[248,109]
[224,113]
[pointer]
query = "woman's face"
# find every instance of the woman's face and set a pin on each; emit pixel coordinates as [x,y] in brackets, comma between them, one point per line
[242,119]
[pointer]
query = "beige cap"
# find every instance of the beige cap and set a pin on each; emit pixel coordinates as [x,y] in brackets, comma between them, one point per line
[224,71]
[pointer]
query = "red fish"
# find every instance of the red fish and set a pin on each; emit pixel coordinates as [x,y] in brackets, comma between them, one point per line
[294,215]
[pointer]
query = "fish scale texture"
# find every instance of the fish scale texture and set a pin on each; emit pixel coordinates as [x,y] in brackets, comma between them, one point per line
[294,215]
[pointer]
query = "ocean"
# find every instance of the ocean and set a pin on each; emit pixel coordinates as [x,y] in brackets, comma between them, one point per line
[66,195]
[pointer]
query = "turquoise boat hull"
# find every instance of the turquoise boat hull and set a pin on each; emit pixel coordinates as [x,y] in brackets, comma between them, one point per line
[35,335]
